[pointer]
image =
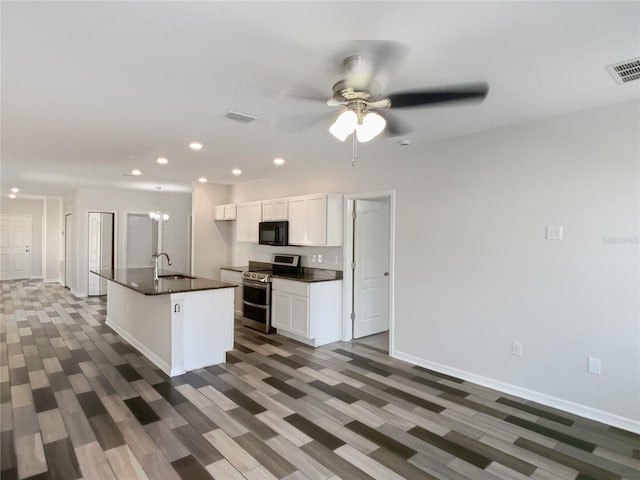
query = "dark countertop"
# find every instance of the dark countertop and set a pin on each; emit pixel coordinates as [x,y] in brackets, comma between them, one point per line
[235,269]
[312,275]
[141,280]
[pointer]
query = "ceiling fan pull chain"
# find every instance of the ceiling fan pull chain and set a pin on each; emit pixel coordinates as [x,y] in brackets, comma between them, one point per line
[354,159]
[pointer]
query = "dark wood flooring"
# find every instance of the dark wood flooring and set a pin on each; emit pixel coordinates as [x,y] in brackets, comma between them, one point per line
[78,402]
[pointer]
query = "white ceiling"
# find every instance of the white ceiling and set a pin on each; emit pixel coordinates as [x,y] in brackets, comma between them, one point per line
[94,89]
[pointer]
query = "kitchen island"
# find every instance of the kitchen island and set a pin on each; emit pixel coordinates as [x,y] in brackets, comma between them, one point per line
[179,322]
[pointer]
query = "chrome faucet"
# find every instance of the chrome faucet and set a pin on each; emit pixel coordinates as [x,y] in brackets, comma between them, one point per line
[155,258]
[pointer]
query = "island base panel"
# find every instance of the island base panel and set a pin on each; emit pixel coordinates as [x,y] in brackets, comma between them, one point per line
[177,332]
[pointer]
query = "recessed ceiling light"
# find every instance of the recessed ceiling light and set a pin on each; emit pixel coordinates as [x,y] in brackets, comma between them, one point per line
[195,146]
[202,179]
[15,189]
[136,172]
[278,161]
[236,171]
[162,161]
[12,195]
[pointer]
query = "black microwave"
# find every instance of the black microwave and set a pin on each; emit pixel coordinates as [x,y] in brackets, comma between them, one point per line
[274,233]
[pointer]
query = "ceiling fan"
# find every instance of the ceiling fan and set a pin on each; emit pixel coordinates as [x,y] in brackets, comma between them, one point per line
[365,105]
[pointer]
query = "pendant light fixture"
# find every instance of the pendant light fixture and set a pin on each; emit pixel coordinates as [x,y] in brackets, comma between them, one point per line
[157,215]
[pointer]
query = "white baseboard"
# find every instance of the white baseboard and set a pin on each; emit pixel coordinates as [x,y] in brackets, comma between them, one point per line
[157,361]
[78,294]
[542,398]
[52,280]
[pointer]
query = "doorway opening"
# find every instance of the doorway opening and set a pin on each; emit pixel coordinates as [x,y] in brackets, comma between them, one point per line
[369,265]
[101,249]
[67,250]
[143,239]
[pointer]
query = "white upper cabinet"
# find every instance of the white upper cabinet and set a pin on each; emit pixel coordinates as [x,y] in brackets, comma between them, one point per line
[275,210]
[248,216]
[316,220]
[225,212]
[298,220]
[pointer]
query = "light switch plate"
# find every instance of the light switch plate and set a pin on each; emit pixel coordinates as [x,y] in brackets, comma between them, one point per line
[594,365]
[516,348]
[554,233]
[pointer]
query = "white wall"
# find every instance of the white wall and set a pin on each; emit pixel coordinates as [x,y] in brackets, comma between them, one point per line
[474,271]
[35,208]
[176,230]
[210,238]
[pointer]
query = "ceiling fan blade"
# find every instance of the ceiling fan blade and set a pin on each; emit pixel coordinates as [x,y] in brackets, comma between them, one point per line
[281,93]
[415,98]
[395,127]
[387,57]
[304,121]
[377,61]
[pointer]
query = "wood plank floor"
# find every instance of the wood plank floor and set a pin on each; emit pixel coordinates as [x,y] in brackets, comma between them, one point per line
[78,402]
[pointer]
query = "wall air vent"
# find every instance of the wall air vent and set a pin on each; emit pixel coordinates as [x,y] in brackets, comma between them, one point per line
[626,71]
[240,117]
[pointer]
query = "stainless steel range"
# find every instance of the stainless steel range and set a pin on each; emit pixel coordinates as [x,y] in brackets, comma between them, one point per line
[256,291]
[256,300]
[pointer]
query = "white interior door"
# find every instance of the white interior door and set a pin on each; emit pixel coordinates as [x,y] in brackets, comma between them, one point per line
[95,251]
[371,273]
[15,247]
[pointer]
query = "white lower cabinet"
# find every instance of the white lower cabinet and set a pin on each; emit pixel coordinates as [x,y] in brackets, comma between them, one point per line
[308,312]
[231,276]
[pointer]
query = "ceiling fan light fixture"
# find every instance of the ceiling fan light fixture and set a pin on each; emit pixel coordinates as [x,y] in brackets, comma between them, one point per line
[344,125]
[372,125]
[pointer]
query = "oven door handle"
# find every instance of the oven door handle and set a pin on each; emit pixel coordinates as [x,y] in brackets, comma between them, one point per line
[264,307]
[256,284]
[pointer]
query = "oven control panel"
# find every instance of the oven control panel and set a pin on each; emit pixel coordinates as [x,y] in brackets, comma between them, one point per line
[256,276]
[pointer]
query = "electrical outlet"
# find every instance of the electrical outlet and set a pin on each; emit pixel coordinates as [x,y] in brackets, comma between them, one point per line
[319,258]
[335,260]
[554,233]
[594,365]
[313,259]
[516,348]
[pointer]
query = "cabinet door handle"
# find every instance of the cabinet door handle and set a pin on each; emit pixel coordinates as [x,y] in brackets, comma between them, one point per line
[176,308]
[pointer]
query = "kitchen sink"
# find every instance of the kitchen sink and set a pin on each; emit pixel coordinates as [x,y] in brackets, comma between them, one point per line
[175,277]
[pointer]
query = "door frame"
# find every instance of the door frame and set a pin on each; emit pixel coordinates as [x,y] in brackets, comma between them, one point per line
[347,255]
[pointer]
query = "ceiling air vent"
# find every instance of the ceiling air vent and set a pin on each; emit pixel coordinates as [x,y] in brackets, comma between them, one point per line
[240,117]
[626,71]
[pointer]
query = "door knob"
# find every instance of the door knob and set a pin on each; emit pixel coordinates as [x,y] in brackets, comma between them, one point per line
[386,274]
